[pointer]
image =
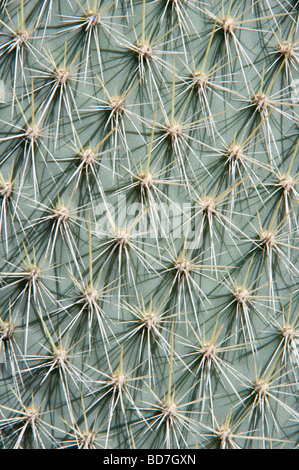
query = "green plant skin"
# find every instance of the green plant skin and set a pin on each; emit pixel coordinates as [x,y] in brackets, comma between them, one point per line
[148,224]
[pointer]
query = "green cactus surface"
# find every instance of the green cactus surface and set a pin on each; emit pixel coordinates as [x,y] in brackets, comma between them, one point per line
[149,188]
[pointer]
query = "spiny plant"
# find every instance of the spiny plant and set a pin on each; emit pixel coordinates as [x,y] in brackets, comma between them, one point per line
[149,224]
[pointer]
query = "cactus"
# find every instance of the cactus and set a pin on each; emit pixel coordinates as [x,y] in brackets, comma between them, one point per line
[149,224]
